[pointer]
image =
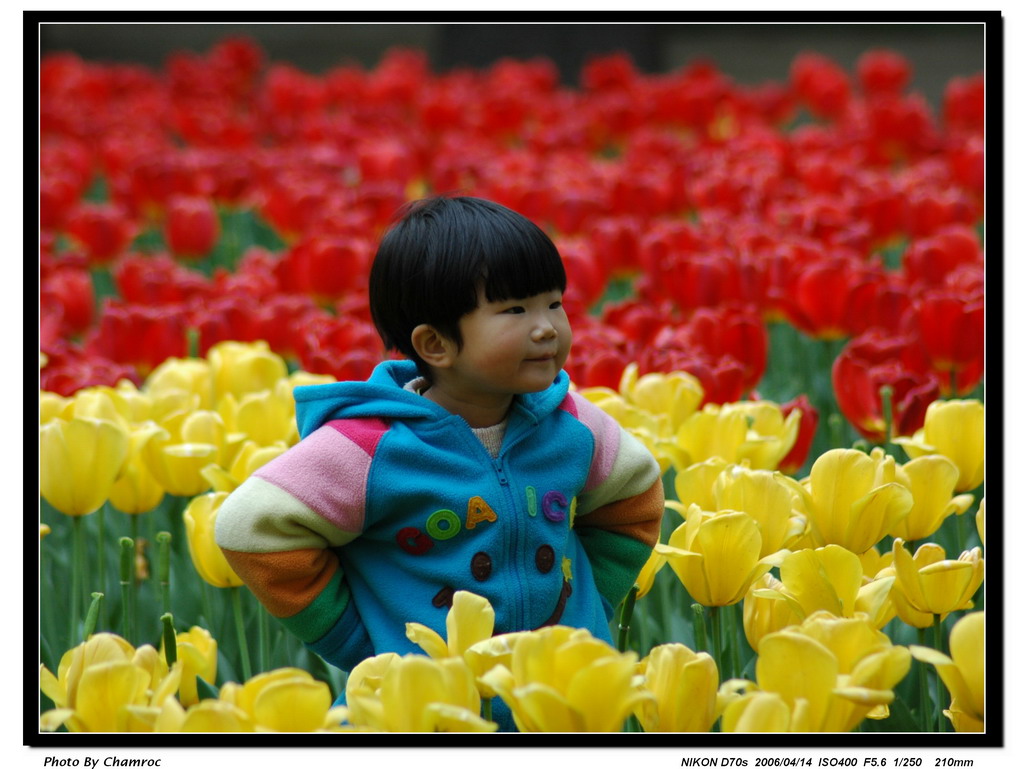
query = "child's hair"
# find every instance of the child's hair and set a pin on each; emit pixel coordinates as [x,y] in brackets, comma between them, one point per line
[441,250]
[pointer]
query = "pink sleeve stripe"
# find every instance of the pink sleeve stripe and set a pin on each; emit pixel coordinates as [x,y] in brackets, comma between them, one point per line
[606,438]
[327,472]
[365,433]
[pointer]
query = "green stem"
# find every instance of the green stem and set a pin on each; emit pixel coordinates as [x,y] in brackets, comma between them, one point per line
[924,706]
[886,394]
[77,579]
[717,642]
[626,616]
[133,582]
[940,688]
[192,341]
[952,383]
[101,555]
[700,629]
[734,656]
[485,709]
[243,644]
[163,568]
[264,638]
[127,563]
[92,615]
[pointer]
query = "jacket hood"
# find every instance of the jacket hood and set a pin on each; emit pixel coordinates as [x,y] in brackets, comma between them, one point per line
[382,397]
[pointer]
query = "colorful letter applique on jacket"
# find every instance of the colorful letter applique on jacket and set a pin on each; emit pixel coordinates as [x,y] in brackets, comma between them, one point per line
[389,504]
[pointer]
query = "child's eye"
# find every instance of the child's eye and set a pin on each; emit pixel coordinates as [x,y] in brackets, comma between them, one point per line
[517,310]
[555,305]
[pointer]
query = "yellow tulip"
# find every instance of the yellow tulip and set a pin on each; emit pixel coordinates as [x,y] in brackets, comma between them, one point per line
[80,459]
[770,434]
[43,530]
[829,579]
[695,483]
[207,557]
[99,648]
[759,712]
[240,368]
[248,459]
[283,700]
[933,584]
[563,679]
[645,579]
[931,480]
[675,395]
[266,418]
[470,620]
[101,682]
[805,671]
[176,466]
[765,610]
[963,672]
[853,499]
[212,715]
[134,405]
[197,650]
[179,377]
[653,430]
[716,555]
[684,686]
[954,429]
[136,490]
[761,495]
[95,403]
[979,519]
[51,406]
[414,694]
[714,431]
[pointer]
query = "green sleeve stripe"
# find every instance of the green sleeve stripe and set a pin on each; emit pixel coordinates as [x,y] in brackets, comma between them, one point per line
[313,622]
[617,561]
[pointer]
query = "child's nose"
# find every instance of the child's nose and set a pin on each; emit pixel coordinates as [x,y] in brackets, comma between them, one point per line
[544,330]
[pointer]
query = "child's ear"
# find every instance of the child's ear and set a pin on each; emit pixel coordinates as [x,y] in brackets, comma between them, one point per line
[436,350]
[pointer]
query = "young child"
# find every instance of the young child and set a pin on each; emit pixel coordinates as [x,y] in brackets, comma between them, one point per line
[470,466]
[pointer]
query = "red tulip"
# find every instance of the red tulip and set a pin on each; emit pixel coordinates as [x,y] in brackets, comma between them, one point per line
[192,227]
[883,72]
[722,378]
[724,332]
[864,366]
[821,84]
[68,369]
[951,327]
[103,230]
[821,294]
[138,335]
[931,211]
[71,289]
[325,268]
[963,104]
[794,460]
[58,194]
[928,261]
[877,301]
[156,279]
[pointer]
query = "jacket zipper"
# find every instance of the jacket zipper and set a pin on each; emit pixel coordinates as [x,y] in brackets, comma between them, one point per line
[515,529]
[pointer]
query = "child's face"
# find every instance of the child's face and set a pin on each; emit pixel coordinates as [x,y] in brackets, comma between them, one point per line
[513,346]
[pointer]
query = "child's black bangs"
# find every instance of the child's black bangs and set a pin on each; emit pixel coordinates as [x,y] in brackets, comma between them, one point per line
[523,271]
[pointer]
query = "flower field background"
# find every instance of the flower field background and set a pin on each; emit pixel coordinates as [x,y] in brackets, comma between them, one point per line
[778,288]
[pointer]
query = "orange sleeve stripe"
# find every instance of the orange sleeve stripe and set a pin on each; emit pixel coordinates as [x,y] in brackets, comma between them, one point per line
[638,517]
[285,582]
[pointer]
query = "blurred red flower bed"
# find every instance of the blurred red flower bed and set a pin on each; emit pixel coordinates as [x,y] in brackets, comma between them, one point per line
[242,199]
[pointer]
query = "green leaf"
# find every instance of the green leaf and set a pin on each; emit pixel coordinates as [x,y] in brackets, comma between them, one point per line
[205,690]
